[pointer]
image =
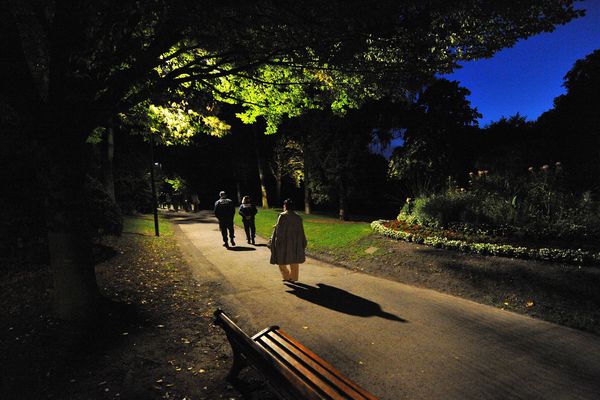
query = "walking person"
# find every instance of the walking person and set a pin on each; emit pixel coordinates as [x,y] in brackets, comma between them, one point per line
[248,212]
[225,211]
[288,242]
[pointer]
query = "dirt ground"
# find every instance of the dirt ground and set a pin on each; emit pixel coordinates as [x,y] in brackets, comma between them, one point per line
[155,338]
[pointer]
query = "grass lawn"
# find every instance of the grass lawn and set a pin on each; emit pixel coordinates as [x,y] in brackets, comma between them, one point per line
[324,234]
[144,224]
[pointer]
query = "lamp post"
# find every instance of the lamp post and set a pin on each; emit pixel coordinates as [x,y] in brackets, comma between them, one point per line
[153,185]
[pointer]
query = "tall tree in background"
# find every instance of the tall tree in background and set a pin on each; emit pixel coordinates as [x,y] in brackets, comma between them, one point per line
[72,65]
[509,146]
[340,147]
[570,132]
[436,138]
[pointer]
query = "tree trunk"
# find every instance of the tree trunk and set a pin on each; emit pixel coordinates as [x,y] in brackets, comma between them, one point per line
[277,172]
[342,203]
[261,175]
[278,179]
[75,294]
[108,171]
[305,151]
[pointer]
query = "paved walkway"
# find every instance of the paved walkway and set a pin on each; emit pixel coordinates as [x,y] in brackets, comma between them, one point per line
[397,341]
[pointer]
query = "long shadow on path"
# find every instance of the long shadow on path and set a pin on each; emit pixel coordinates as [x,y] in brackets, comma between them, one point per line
[340,300]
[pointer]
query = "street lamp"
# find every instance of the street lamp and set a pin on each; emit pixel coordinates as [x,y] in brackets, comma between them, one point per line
[153,185]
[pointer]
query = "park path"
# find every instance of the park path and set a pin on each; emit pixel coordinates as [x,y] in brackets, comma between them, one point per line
[397,341]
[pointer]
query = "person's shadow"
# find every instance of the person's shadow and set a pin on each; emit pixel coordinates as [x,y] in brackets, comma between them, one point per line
[240,248]
[339,300]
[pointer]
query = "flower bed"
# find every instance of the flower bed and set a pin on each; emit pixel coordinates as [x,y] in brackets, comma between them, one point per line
[451,240]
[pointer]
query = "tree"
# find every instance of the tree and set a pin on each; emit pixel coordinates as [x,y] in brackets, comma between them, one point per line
[438,138]
[287,162]
[75,64]
[338,148]
[570,131]
[508,146]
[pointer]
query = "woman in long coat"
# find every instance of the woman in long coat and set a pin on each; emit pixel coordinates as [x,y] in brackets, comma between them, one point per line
[288,242]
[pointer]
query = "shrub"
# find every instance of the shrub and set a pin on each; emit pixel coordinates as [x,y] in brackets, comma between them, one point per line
[532,207]
[569,256]
[104,214]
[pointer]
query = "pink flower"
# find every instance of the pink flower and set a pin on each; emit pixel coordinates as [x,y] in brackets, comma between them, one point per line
[530,169]
[545,167]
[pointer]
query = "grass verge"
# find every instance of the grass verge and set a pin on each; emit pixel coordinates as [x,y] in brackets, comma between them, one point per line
[325,234]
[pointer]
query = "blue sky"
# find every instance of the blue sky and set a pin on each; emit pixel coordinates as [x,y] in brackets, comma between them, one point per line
[527,77]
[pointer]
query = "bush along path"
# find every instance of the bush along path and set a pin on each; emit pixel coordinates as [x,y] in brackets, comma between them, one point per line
[569,256]
[155,339]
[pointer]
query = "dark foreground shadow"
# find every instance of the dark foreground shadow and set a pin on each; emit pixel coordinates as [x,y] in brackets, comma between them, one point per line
[260,245]
[340,300]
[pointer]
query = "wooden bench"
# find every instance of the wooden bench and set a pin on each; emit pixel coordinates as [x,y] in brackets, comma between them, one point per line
[291,370]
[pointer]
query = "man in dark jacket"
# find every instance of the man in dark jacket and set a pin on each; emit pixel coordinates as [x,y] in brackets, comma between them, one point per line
[224,211]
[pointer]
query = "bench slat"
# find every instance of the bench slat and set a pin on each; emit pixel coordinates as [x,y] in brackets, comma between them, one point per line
[323,374]
[291,361]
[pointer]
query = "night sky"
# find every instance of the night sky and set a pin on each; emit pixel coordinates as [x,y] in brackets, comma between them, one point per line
[527,77]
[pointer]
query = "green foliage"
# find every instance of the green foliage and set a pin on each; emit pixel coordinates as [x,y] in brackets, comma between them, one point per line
[177,184]
[174,123]
[275,92]
[96,135]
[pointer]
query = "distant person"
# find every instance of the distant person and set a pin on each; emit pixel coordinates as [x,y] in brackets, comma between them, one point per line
[195,202]
[225,211]
[248,212]
[288,242]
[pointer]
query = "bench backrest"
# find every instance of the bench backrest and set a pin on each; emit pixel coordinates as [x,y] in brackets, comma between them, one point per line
[283,361]
[276,376]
